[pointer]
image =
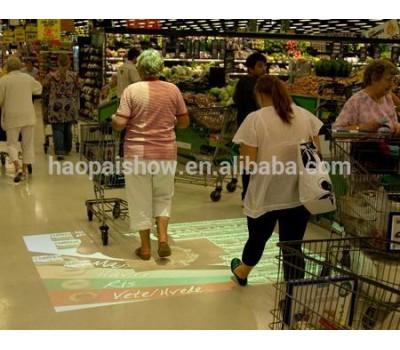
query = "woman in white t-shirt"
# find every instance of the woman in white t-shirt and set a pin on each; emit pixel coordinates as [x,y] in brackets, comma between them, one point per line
[269,138]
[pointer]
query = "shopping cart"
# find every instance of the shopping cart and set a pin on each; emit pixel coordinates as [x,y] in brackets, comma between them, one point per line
[208,144]
[102,149]
[341,284]
[366,183]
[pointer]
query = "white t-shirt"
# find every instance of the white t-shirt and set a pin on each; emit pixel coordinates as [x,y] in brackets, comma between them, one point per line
[276,142]
[127,74]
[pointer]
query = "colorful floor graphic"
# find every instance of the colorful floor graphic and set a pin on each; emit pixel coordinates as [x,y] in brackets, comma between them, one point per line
[79,273]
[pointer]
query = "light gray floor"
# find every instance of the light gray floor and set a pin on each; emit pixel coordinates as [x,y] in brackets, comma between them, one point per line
[47,204]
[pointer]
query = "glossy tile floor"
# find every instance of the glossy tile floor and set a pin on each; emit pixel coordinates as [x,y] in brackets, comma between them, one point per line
[46,204]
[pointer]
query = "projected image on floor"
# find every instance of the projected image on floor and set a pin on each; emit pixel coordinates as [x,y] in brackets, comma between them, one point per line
[79,272]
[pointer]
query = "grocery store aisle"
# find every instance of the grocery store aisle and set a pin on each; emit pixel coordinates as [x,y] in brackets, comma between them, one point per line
[70,281]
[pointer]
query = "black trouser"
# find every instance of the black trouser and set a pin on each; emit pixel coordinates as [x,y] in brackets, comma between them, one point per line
[292,226]
[245,183]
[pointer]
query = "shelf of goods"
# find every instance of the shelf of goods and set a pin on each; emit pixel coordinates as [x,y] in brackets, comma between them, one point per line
[91,73]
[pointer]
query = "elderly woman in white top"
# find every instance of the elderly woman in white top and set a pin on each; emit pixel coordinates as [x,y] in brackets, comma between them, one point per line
[18,115]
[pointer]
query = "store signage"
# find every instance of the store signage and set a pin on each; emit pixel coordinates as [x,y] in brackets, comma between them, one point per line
[8,37]
[196,50]
[384,31]
[19,35]
[363,54]
[377,52]
[229,61]
[395,54]
[222,48]
[214,49]
[31,32]
[337,50]
[49,29]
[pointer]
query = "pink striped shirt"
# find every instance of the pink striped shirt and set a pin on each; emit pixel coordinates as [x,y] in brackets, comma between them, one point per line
[151,107]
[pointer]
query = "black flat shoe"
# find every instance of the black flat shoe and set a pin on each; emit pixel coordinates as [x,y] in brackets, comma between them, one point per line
[235,262]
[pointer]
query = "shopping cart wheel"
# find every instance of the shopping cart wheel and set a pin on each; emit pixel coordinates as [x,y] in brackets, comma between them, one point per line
[90,213]
[231,186]
[29,168]
[104,234]
[215,195]
[116,210]
[3,160]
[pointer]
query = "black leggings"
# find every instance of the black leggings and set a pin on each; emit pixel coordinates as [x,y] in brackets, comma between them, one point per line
[292,226]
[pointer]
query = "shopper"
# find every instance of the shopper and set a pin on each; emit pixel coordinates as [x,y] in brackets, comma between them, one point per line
[30,69]
[244,97]
[274,131]
[62,86]
[149,110]
[372,108]
[127,73]
[18,114]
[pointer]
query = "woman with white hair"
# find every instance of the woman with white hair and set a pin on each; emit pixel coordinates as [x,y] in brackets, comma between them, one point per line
[149,110]
[18,114]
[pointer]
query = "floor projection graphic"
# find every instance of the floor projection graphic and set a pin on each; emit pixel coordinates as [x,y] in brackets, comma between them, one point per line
[79,272]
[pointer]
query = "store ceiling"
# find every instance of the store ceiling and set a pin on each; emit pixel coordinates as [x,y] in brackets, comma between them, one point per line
[299,26]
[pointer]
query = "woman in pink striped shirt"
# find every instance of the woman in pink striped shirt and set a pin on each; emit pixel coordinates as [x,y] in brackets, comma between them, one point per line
[149,110]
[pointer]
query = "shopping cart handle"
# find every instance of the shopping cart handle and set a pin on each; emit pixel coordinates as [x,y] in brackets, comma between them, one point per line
[344,131]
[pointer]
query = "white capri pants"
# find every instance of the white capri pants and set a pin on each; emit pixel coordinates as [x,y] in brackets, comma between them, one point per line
[27,148]
[149,192]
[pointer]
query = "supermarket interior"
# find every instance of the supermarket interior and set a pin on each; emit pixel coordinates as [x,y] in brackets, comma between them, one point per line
[69,258]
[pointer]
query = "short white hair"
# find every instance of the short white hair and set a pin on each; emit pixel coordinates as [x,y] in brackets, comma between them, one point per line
[13,63]
[150,64]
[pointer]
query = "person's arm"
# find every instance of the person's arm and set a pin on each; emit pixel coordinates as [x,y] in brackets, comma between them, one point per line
[36,87]
[121,118]
[248,154]
[182,121]
[134,76]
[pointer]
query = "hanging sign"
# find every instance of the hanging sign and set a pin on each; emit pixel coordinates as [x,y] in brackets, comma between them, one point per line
[31,33]
[384,31]
[49,29]
[19,35]
[8,37]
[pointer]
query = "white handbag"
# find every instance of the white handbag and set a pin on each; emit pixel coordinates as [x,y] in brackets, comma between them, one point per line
[315,186]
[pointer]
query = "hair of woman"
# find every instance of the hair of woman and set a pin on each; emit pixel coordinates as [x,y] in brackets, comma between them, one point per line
[272,86]
[150,64]
[376,69]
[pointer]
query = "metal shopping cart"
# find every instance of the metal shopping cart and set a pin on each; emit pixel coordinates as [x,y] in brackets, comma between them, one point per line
[339,287]
[366,182]
[102,149]
[208,143]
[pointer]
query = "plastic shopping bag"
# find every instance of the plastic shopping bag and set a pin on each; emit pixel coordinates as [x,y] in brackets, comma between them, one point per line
[315,186]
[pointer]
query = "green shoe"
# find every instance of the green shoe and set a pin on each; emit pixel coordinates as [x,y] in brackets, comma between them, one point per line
[235,262]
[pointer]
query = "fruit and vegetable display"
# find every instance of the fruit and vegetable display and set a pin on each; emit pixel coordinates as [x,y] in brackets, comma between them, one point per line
[333,68]
[311,86]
